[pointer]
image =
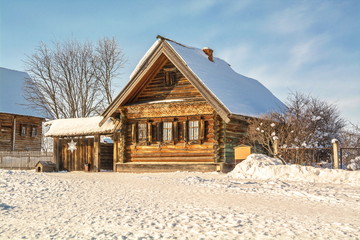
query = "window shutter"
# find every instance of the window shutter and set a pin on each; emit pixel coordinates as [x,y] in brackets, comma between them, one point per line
[159,131]
[134,132]
[202,129]
[186,131]
[149,132]
[176,131]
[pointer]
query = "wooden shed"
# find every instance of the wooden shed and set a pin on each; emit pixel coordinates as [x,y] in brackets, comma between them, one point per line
[183,109]
[78,145]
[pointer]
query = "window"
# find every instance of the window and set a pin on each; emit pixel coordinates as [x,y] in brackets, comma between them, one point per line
[33,132]
[170,76]
[193,130]
[23,130]
[167,131]
[142,132]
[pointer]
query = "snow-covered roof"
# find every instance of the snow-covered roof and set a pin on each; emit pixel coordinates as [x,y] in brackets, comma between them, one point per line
[11,93]
[239,94]
[230,93]
[79,127]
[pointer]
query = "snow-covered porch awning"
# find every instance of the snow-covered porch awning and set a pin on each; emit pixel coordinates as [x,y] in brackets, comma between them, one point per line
[79,127]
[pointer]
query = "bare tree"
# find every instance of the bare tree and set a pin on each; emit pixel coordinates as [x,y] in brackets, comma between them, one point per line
[73,79]
[307,122]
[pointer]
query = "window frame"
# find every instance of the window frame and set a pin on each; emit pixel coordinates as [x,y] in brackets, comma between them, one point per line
[34,131]
[141,132]
[22,130]
[167,130]
[193,131]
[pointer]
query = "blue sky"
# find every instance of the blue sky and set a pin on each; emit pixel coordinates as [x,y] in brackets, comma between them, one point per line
[288,45]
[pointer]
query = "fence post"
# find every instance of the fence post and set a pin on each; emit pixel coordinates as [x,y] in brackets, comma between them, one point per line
[335,144]
[276,152]
[56,156]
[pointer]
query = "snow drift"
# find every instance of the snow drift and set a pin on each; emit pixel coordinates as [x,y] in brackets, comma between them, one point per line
[354,164]
[262,167]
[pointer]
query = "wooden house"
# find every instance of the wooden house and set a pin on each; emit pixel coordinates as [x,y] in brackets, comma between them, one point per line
[183,109]
[20,132]
[20,126]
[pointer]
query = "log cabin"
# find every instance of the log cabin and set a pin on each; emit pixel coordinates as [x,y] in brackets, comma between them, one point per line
[183,109]
[20,126]
[20,132]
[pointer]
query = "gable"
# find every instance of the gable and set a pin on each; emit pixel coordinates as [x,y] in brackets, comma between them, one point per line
[167,84]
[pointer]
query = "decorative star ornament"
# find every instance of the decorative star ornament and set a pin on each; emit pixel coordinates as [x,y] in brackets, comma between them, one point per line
[72,146]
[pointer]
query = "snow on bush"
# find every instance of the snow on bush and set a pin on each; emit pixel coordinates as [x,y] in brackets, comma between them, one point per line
[354,164]
[262,167]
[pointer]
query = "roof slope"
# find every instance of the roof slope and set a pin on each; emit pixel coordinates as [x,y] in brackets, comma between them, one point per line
[79,127]
[239,94]
[228,92]
[11,93]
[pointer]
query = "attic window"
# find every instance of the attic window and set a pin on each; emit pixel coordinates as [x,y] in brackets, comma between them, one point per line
[170,76]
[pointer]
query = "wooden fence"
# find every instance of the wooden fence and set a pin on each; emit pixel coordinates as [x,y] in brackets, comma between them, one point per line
[23,160]
[307,156]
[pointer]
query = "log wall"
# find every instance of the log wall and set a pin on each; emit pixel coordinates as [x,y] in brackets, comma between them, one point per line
[13,139]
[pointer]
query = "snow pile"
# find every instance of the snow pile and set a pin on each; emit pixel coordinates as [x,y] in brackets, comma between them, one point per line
[354,164]
[259,166]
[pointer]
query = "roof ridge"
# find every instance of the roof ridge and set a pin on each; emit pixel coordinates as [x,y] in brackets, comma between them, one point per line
[168,39]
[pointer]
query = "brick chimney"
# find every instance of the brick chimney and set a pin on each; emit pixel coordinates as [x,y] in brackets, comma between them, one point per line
[209,53]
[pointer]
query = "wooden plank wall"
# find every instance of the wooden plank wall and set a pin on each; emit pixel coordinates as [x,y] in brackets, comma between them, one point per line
[84,153]
[74,161]
[106,156]
[22,143]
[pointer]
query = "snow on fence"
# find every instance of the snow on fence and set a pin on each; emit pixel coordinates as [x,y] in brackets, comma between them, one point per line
[23,160]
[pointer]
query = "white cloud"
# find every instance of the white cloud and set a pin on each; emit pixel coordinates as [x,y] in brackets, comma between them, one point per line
[290,20]
[307,51]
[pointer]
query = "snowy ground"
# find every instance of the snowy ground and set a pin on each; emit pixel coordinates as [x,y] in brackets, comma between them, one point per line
[179,205]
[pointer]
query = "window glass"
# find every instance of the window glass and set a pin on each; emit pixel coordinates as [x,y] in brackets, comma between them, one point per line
[142,131]
[33,131]
[193,130]
[23,130]
[167,131]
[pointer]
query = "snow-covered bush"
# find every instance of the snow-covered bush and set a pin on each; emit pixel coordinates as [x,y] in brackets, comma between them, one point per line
[354,164]
[307,122]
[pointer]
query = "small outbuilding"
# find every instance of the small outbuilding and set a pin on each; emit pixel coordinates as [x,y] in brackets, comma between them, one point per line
[78,145]
[45,166]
